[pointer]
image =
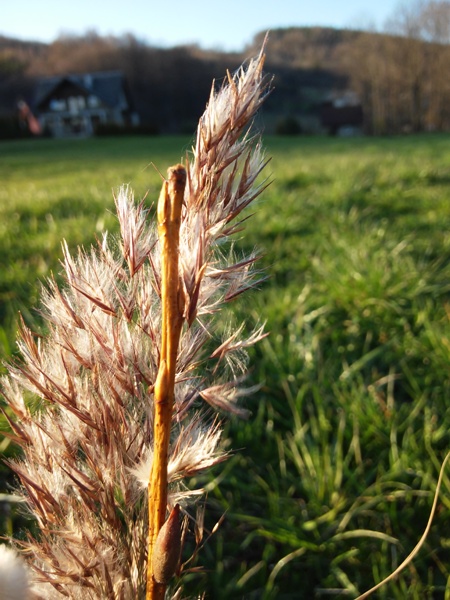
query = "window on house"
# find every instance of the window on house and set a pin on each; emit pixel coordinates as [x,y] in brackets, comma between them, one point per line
[57,104]
[73,104]
[93,102]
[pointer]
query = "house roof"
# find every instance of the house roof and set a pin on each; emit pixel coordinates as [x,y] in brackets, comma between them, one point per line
[109,86]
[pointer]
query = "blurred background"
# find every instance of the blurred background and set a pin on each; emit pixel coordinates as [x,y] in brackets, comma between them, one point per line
[339,68]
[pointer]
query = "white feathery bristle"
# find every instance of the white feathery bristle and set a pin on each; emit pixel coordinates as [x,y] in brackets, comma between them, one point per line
[13,575]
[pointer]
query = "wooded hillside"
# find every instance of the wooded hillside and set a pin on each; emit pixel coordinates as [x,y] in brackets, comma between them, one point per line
[401,77]
[169,86]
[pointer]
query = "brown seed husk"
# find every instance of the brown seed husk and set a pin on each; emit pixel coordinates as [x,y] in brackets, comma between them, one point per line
[167,549]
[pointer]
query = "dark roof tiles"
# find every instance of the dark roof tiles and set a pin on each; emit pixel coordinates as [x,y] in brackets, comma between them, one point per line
[108,86]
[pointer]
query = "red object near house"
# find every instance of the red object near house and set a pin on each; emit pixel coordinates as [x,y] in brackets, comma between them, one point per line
[27,118]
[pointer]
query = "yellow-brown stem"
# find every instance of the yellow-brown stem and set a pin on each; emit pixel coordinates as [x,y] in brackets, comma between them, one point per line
[169,216]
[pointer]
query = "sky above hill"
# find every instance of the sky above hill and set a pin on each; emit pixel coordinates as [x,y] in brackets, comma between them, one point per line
[216,24]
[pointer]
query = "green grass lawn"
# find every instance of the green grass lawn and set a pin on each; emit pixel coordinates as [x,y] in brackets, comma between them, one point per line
[335,471]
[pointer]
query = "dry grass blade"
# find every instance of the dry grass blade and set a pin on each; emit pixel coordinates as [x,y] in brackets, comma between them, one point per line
[420,543]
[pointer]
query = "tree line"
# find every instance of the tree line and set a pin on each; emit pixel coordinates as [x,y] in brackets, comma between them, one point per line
[403,77]
[400,75]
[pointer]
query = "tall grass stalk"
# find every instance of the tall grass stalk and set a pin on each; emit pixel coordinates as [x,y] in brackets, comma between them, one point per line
[118,397]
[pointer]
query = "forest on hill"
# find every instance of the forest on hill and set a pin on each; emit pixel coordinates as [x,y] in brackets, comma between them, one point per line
[400,77]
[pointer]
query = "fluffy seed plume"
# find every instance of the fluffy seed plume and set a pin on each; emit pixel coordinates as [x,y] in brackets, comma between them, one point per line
[13,576]
[83,396]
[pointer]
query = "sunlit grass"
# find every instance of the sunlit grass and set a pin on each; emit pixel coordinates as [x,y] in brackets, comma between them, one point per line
[340,458]
[64,189]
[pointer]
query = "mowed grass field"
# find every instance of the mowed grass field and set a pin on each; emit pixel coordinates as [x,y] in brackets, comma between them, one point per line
[333,476]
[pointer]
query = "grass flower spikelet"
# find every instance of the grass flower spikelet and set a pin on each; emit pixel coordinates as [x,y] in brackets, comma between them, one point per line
[85,396]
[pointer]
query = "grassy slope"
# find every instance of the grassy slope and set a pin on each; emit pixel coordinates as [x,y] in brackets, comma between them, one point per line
[352,420]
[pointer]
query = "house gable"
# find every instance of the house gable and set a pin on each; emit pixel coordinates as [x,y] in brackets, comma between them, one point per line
[77,104]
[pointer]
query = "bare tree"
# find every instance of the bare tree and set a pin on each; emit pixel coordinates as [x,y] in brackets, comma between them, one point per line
[423,31]
[435,19]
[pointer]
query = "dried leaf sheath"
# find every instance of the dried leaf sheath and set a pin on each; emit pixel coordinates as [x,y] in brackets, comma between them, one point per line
[169,217]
